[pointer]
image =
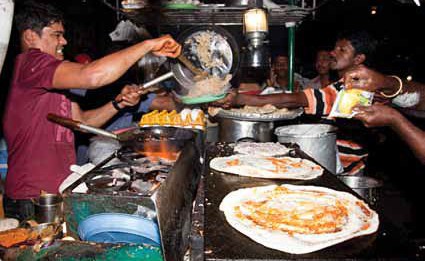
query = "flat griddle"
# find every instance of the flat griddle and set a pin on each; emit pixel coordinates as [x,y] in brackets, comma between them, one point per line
[222,242]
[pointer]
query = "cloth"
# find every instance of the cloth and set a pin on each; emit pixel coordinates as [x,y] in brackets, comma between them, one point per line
[83,58]
[314,83]
[21,209]
[40,152]
[350,140]
[77,173]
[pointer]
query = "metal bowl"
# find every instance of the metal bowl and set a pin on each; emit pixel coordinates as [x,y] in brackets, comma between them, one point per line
[366,187]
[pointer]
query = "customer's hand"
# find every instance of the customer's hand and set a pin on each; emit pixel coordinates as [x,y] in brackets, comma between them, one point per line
[367,79]
[376,115]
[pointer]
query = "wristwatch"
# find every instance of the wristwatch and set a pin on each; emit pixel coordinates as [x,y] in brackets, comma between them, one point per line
[115,104]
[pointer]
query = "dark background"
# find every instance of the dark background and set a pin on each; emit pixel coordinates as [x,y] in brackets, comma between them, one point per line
[396,25]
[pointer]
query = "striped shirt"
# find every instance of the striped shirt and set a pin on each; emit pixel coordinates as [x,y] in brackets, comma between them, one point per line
[351,153]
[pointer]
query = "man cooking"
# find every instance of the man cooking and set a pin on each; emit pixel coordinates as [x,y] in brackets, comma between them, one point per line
[351,50]
[41,152]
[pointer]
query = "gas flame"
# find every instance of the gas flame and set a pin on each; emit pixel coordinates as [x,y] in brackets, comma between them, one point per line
[159,150]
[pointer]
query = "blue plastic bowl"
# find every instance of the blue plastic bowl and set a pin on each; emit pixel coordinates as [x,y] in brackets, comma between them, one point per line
[119,228]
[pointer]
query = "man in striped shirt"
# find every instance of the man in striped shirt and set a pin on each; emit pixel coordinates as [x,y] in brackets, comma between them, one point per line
[351,50]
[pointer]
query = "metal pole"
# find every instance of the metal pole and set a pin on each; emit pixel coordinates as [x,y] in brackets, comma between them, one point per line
[291,48]
[291,51]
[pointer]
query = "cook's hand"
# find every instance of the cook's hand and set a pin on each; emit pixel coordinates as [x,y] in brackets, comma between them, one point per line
[376,115]
[367,79]
[129,96]
[165,46]
[228,101]
[143,91]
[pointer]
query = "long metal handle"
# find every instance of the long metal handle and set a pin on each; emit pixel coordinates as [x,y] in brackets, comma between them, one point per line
[98,131]
[157,80]
[76,125]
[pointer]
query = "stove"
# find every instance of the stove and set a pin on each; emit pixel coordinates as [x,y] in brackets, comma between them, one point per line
[153,177]
[134,173]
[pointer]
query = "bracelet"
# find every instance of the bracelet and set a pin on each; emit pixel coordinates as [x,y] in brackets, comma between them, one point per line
[115,104]
[400,88]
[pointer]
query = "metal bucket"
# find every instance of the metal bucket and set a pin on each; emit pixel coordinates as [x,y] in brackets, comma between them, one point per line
[48,208]
[232,130]
[317,140]
[366,187]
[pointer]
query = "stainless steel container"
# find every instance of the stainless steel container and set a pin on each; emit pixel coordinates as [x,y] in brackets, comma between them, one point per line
[368,188]
[317,140]
[48,208]
[232,130]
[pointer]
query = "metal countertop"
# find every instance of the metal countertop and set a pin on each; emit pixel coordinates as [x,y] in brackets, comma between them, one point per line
[219,241]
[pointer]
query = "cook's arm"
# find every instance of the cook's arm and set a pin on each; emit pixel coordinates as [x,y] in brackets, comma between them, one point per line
[109,68]
[129,96]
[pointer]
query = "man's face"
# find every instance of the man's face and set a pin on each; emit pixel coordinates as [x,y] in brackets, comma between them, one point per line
[280,66]
[342,57]
[323,62]
[52,40]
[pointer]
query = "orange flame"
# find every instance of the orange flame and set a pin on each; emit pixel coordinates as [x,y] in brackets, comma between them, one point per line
[163,151]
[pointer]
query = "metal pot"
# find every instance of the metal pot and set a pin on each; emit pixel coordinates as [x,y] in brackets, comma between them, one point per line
[368,188]
[317,140]
[48,208]
[232,130]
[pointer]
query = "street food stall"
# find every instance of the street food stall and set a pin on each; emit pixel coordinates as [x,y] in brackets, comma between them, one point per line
[164,193]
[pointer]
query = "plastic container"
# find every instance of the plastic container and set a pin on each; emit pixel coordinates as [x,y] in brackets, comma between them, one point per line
[119,228]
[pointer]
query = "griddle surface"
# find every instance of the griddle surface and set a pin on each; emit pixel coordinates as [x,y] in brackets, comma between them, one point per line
[222,242]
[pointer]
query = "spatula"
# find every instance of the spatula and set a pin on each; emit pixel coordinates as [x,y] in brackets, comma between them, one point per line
[199,74]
